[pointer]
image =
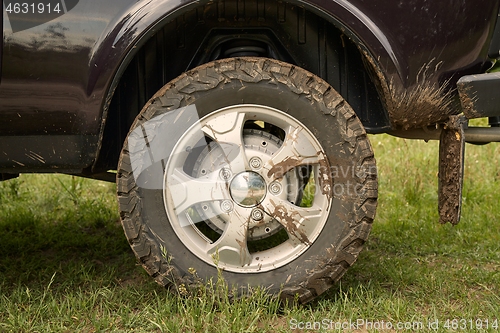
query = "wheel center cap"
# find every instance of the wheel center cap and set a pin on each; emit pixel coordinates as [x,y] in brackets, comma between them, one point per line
[248,189]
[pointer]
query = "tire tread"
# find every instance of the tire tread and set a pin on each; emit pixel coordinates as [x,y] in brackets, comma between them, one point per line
[302,83]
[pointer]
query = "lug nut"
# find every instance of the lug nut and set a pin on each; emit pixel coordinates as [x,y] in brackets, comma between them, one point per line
[225,174]
[257,214]
[275,188]
[255,163]
[226,206]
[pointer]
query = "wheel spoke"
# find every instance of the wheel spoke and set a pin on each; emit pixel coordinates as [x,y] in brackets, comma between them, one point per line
[296,150]
[187,191]
[231,248]
[227,131]
[300,222]
[225,189]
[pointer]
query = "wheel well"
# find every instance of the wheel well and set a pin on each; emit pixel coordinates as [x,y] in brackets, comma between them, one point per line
[279,30]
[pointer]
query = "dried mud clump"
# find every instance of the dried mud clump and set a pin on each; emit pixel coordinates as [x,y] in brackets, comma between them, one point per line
[423,104]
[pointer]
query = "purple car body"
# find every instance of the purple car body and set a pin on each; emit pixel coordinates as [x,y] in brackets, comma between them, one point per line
[214,116]
[59,79]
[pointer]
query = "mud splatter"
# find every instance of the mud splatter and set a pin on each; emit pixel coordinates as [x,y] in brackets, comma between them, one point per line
[243,252]
[451,170]
[280,169]
[291,221]
[425,103]
[468,102]
[324,176]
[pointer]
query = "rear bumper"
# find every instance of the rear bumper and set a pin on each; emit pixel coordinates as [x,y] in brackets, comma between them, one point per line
[480,95]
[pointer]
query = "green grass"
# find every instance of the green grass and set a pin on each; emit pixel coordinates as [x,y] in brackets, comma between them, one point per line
[65,265]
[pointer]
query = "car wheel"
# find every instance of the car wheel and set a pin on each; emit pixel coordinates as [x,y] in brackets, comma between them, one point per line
[250,168]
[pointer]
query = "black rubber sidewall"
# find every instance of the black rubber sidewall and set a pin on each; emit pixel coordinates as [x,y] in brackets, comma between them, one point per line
[323,126]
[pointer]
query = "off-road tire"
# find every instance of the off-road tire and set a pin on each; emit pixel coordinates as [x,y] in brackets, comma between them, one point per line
[324,112]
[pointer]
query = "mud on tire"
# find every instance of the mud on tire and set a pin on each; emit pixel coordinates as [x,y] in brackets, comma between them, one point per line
[275,239]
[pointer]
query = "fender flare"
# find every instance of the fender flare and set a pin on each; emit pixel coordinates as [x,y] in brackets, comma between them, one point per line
[125,35]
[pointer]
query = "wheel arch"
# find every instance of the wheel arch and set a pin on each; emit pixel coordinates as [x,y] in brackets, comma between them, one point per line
[126,46]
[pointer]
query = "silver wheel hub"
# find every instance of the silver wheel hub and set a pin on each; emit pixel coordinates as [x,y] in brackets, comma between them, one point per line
[233,189]
[248,189]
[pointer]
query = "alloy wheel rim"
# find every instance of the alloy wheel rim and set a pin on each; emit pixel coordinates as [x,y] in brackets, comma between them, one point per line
[240,187]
